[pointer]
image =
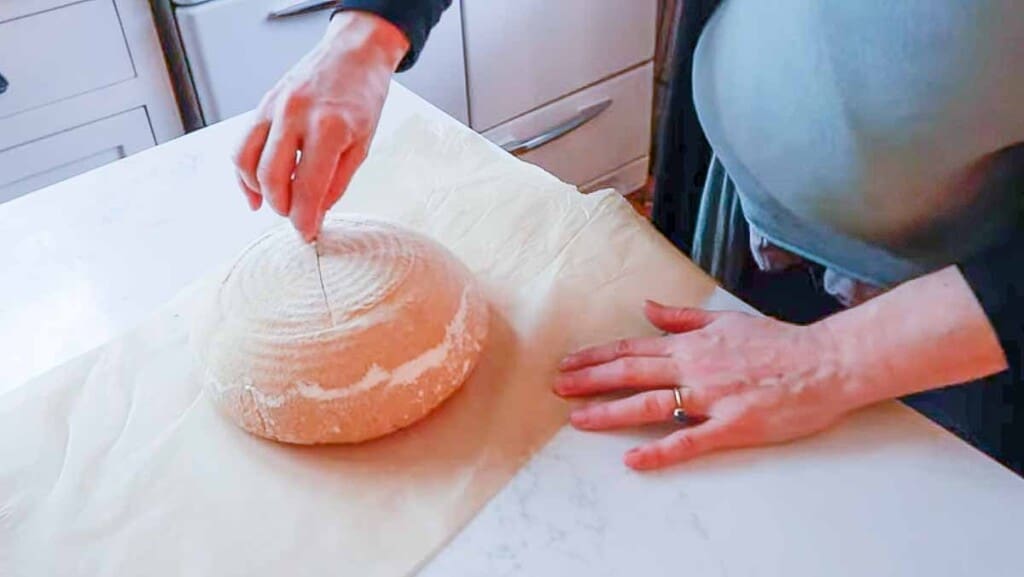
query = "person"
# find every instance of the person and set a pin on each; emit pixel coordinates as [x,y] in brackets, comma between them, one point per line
[880,141]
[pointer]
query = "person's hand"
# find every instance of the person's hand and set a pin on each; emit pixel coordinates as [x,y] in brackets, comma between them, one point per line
[323,111]
[749,380]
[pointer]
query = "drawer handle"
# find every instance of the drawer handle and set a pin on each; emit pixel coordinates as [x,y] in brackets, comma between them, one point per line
[304,7]
[520,147]
[3,84]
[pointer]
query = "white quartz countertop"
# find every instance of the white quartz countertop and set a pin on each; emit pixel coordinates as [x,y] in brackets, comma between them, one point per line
[886,493]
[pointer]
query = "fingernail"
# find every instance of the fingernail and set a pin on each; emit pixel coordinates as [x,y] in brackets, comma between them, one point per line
[565,363]
[631,456]
[634,458]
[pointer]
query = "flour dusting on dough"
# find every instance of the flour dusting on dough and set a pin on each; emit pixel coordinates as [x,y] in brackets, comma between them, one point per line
[405,374]
[315,346]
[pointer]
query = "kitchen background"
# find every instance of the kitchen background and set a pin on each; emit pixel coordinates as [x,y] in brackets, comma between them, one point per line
[574,86]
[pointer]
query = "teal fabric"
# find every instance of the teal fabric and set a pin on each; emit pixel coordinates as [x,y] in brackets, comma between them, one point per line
[877,138]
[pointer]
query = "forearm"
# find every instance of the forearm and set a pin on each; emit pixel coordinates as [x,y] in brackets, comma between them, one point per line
[377,38]
[925,334]
[414,18]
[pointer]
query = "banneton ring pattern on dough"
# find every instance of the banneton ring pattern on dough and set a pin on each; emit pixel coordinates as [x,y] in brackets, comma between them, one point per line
[360,334]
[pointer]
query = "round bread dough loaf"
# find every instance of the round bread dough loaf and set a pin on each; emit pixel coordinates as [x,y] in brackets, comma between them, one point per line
[343,340]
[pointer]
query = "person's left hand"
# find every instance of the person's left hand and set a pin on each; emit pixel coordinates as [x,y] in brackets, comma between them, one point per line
[749,380]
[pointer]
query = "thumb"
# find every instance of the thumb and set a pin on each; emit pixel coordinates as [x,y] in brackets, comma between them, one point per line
[678,319]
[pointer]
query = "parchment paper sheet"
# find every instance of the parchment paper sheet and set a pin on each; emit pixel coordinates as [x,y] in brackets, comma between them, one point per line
[115,463]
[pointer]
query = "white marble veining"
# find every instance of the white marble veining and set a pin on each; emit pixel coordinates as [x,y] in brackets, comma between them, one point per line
[887,493]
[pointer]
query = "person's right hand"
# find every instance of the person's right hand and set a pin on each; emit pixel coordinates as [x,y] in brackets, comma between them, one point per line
[313,129]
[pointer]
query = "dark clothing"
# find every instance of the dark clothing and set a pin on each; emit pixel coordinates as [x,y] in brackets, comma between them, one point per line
[996,275]
[997,278]
[413,17]
[683,152]
[884,154]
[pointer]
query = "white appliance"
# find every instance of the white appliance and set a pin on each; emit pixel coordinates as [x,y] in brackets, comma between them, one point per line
[566,85]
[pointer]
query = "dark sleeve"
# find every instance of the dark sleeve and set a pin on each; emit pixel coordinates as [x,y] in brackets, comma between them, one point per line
[997,279]
[413,17]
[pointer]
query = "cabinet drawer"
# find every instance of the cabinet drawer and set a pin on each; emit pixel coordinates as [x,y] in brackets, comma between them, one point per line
[618,134]
[625,179]
[59,156]
[521,54]
[49,56]
[236,54]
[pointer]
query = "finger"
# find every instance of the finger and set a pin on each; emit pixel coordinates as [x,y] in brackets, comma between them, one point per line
[647,347]
[678,319]
[276,166]
[343,174]
[684,445]
[253,197]
[321,155]
[639,409]
[247,155]
[625,373]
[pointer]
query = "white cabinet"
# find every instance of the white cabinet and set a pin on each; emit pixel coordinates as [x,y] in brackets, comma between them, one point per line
[619,131]
[566,85]
[87,84]
[626,178]
[53,158]
[57,54]
[236,52]
[521,54]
